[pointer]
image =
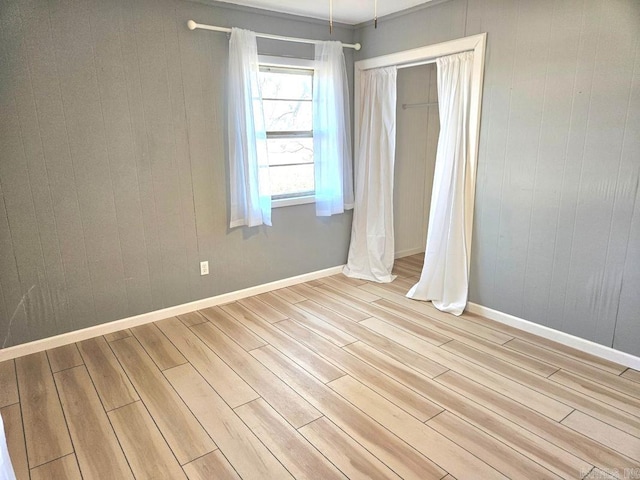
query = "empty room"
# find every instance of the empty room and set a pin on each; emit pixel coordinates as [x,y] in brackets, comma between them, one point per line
[335,239]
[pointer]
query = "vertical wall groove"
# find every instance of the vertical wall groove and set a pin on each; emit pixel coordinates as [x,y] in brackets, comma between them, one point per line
[527,255]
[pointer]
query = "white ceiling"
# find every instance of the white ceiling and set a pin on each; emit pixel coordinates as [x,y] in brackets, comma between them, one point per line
[350,12]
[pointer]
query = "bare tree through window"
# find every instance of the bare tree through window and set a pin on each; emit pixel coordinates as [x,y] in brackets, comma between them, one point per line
[287,95]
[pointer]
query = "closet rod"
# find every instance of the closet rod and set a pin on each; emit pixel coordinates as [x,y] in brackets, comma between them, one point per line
[193,25]
[415,105]
[417,64]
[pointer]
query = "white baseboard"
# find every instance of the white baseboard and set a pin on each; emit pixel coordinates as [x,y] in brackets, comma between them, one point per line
[78,335]
[408,252]
[567,339]
[116,325]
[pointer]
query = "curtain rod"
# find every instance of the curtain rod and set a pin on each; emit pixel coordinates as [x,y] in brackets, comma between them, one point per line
[193,25]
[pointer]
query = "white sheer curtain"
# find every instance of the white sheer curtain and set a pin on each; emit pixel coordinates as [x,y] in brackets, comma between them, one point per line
[445,274]
[6,470]
[371,252]
[331,131]
[248,161]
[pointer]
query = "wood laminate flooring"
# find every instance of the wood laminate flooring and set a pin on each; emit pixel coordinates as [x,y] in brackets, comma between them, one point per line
[334,378]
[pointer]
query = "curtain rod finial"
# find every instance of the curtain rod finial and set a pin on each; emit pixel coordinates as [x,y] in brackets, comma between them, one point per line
[357,47]
[191,25]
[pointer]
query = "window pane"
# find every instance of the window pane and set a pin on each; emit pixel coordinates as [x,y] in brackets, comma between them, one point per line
[283,151]
[286,85]
[284,116]
[291,179]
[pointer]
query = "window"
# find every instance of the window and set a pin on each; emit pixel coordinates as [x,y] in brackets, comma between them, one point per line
[286,87]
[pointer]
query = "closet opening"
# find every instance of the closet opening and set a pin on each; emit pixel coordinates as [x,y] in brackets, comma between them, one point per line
[399,205]
[417,130]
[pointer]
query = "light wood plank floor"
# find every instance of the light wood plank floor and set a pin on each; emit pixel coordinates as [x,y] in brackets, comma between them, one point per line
[335,378]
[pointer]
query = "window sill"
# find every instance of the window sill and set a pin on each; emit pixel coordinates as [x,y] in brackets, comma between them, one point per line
[288,202]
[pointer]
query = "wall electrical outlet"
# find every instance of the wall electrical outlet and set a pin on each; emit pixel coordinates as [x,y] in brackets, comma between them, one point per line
[204,268]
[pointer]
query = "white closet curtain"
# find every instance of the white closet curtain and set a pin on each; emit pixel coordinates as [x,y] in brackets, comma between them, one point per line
[445,274]
[6,470]
[248,161]
[371,252]
[331,131]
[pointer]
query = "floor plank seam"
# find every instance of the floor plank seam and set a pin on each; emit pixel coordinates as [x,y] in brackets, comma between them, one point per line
[565,417]
[64,415]
[140,399]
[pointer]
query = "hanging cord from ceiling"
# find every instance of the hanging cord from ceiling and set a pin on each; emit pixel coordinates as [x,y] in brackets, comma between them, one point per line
[375,13]
[330,17]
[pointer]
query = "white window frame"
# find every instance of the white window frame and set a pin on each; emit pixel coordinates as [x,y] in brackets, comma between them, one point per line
[288,62]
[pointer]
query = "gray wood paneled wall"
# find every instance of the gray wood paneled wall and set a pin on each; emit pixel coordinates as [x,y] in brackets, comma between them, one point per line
[113,177]
[557,221]
[417,132]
